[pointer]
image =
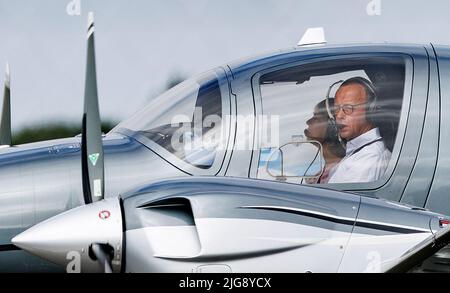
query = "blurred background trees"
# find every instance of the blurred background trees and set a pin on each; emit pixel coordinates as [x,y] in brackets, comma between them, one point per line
[52,130]
[63,129]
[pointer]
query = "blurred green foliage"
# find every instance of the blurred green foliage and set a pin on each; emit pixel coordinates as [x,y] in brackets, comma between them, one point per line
[63,129]
[52,130]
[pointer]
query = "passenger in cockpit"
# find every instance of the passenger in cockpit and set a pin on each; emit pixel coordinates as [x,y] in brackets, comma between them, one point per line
[321,128]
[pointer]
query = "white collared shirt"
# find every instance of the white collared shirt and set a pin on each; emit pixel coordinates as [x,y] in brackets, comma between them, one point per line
[366,159]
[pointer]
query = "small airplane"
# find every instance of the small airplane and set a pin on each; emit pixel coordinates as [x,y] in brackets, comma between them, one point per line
[216,175]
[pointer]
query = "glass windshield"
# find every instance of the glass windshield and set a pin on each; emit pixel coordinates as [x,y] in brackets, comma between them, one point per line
[186,120]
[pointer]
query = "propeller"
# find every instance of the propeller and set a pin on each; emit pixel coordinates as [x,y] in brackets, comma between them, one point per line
[5,122]
[95,239]
[92,164]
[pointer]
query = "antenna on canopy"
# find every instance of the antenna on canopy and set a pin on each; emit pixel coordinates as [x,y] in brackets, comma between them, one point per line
[313,36]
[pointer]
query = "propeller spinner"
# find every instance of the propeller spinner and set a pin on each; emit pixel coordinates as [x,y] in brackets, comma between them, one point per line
[84,239]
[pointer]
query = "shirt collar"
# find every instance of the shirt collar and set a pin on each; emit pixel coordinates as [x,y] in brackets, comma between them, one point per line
[361,140]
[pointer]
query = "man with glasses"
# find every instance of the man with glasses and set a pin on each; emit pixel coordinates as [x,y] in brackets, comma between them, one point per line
[366,158]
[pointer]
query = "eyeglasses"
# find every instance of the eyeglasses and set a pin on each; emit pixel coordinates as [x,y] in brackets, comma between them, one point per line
[347,108]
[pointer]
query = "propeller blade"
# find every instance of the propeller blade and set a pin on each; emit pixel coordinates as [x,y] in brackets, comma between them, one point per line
[5,122]
[91,139]
[103,257]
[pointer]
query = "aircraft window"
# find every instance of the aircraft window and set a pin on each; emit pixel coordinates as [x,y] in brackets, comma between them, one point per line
[336,121]
[186,120]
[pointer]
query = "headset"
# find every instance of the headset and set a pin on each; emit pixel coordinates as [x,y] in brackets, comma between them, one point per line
[332,125]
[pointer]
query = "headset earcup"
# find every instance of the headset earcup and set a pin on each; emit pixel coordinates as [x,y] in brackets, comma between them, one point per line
[332,131]
[372,112]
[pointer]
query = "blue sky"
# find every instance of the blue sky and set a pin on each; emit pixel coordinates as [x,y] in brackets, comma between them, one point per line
[141,43]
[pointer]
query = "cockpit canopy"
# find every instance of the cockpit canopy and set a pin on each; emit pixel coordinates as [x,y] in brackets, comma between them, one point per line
[186,121]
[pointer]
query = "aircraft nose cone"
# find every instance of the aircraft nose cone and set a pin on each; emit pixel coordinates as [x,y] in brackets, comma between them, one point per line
[28,240]
[66,239]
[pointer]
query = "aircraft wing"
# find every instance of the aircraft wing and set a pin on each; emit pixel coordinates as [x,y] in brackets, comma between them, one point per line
[422,251]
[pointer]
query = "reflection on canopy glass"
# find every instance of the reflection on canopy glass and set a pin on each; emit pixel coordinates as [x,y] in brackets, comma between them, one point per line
[186,120]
